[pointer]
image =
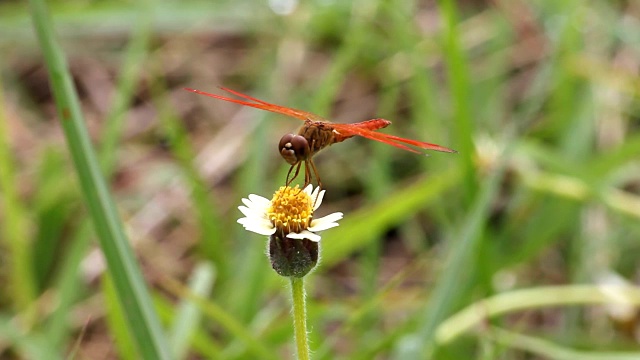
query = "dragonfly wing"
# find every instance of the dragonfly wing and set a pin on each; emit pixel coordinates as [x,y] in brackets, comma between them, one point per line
[348,130]
[260,104]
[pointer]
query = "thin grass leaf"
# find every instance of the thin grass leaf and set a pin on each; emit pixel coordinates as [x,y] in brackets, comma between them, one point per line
[67,280]
[30,345]
[211,244]
[188,314]
[453,281]
[133,63]
[549,350]
[129,283]
[218,314]
[477,313]
[361,227]
[14,228]
[67,284]
[117,321]
[459,84]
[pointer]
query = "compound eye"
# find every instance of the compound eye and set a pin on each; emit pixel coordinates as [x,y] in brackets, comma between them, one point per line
[300,146]
[285,141]
[293,148]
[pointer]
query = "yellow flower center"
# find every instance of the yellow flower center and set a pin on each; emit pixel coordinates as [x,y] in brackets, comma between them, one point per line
[291,210]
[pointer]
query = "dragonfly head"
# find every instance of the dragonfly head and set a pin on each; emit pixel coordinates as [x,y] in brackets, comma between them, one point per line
[294,148]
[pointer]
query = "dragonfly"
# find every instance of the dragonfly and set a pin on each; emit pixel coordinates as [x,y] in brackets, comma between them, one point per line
[318,133]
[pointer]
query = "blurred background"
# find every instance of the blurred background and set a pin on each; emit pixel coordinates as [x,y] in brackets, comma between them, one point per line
[540,98]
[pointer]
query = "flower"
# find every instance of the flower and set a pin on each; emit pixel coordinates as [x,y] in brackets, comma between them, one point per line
[289,214]
[288,221]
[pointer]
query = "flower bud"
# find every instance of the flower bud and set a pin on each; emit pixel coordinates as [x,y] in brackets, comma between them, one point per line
[292,257]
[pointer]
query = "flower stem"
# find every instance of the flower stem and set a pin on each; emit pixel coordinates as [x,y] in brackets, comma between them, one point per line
[300,318]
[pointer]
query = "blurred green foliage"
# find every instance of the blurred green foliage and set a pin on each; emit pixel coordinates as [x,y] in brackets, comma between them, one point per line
[540,98]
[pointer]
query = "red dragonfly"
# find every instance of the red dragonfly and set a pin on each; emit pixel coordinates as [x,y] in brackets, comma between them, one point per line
[318,133]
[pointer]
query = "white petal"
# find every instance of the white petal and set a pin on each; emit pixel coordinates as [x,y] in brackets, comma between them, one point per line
[309,189]
[324,220]
[323,226]
[248,212]
[250,221]
[314,194]
[262,230]
[304,234]
[255,207]
[318,199]
[299,236]
[247,202]
[260,201]
[253,213]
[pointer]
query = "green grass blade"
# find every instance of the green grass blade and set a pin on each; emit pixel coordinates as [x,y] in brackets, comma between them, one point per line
[476,314]
[117,321]
[66,281]
[358,229]
[128,281]
[549,350]
[211,244]
[14,229]
[31,345]
[226,320]
[188,313]
[459,84]
[133,63]
[461,261]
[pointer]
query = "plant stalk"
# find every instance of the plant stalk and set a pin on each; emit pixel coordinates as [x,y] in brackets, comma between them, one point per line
[300,318]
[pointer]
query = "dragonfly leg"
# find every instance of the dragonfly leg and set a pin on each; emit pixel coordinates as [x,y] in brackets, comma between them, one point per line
[308,167]
[289,180]
[315,172]
[307,173]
